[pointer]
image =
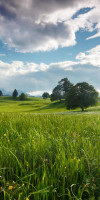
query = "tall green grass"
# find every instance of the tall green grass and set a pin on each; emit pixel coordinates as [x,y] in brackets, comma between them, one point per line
[49,157]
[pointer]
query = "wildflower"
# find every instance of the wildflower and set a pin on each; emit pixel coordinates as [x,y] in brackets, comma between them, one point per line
[5,135]
[74,158]
[10,187]
[27,198]
[27,164]
[85,185]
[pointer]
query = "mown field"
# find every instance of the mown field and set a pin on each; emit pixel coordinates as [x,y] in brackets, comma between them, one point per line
[48,156]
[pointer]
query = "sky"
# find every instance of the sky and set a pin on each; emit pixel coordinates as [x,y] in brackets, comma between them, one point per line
[43,41]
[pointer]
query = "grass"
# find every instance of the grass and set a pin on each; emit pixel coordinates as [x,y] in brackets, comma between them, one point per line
[48,156]
[38,105]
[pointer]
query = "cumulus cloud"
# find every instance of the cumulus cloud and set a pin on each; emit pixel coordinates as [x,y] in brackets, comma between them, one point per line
[19,68]
[41,25]
[37,78]
[91,56]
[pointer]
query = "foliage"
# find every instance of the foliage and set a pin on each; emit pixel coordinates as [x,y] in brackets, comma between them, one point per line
[81,95]
[23,96]
[49,157]
[65,85]
[15,93]
[61,89]
[45,95]
[1,94]
[57,93]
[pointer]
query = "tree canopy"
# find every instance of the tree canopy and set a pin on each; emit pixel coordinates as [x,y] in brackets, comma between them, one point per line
[45,95]
[60,91]
[23,96]
[81,95]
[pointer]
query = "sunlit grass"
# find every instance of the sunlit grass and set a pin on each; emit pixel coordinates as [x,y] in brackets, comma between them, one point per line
[36,105]
[39,105]
[44,157]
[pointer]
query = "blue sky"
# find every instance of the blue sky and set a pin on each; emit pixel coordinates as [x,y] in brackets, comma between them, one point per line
[42,42]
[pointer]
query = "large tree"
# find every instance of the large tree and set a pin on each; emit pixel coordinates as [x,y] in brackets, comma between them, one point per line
[60,91]
[81,95]
[65,86]
[57,93]
[15,93]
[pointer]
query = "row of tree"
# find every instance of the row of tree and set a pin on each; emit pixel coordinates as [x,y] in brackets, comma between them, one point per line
[60,91]
[80,95]
[22,96]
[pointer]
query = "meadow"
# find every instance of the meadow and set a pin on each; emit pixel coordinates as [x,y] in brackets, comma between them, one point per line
[48,156]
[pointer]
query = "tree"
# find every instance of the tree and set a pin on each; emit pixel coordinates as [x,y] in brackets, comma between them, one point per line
[60,91]
[57,93]
[23,96]
[45,95]
[15,93]
[81,95]
[65,86]
[1,94]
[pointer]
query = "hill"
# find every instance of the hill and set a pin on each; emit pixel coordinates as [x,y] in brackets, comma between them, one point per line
[37,105]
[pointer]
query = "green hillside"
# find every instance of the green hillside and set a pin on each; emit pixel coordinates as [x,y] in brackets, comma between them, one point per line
[37,105]
[32,104]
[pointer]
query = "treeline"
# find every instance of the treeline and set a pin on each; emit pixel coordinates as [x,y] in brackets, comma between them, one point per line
[80,95]
[22,96]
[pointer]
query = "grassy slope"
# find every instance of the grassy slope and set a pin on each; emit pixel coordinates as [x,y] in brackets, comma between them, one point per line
[36,105]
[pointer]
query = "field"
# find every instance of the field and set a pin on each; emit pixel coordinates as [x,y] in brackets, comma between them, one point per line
[38,105]
[48,156]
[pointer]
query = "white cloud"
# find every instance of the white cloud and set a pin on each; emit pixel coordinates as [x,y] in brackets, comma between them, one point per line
[38,93]
[37,78]
[91,57]
[40,25]
[17,68]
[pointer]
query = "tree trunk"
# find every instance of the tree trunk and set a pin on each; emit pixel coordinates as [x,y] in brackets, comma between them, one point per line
[82,108]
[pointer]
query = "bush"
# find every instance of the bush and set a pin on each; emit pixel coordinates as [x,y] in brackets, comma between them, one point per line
[23,97]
